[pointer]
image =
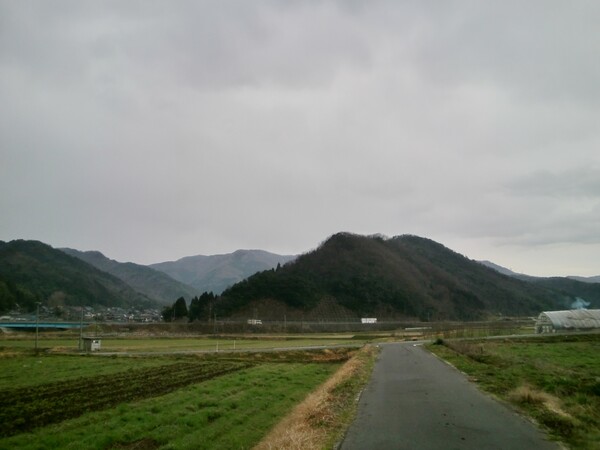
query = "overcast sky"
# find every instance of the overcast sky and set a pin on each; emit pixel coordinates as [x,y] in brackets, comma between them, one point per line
[153,130]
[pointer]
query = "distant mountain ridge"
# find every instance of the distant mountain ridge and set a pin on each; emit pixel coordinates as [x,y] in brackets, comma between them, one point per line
[505,271]
[576,291]
[155,284]
[498,268]
[348,276]
[405,276]
[217,272]
[32,271]
[595,279]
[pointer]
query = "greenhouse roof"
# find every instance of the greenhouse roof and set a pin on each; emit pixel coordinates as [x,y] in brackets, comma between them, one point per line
[576,318]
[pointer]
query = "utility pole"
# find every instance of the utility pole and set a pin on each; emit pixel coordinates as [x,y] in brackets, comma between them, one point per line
[81,331]
[37,322]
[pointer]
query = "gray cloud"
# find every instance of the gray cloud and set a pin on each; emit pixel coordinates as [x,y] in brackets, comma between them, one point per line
[157,131]
[578,183]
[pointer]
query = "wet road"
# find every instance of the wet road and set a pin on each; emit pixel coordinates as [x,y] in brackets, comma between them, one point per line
[415,401]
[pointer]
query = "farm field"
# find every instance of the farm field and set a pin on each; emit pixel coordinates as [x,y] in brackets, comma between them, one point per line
[61,368]
[181,344]
[553,379]
[192,401]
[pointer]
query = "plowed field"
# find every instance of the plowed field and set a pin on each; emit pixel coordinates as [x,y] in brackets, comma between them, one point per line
[27,408]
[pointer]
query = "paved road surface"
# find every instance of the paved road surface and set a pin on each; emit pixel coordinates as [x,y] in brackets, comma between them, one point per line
[415,401]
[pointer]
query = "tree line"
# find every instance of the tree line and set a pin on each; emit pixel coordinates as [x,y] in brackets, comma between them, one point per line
[200,308]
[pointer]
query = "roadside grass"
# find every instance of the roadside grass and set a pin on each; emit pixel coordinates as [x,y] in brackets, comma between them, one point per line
[553,379]
[232,411]
[321,419]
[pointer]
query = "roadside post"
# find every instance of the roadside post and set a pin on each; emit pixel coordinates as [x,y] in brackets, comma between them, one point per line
[37,323]
[81,331]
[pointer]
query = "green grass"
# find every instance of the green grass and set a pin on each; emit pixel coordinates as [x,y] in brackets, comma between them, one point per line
[555,380]
[28,408]
[174,344]
[43,369]
[231,411]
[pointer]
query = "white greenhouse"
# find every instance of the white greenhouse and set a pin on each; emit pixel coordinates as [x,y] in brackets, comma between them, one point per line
[570,320]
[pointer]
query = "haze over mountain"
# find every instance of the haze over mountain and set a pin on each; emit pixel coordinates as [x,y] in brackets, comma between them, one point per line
[31,271]
[155,284]
[403,277]
[217,272]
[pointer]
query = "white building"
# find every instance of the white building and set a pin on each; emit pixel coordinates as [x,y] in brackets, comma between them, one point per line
[91,344]
[570,320]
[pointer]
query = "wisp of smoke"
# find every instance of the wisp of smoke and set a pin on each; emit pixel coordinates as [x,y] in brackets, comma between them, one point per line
[579,303]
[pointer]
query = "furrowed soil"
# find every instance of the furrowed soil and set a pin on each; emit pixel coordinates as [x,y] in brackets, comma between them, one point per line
[27,408]
[179,403]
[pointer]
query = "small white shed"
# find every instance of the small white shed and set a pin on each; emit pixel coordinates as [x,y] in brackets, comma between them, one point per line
[91,344]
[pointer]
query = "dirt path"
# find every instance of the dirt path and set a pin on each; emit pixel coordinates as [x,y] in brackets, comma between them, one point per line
[416,401]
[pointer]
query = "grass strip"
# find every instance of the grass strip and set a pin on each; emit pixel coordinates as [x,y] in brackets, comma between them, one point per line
[321,419]
[554,380]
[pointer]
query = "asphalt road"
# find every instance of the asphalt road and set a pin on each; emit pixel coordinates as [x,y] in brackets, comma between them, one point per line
[415,401]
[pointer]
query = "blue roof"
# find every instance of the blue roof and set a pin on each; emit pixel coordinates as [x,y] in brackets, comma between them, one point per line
[61,325]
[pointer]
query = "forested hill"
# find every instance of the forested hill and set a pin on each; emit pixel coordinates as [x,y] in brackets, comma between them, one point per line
[32,271]
[155,284]
[402,277]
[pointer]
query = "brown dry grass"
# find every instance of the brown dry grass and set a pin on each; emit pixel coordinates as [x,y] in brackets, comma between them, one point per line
[529,395]
[311,424]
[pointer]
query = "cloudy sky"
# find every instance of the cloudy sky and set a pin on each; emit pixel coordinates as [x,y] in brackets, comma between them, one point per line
[153,130]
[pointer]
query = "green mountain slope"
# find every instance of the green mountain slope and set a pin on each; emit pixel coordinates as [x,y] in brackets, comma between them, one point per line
[595,279]
[217,272]
[155,284]
[42,273]
[575,294]
[576,291]
[402,277]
